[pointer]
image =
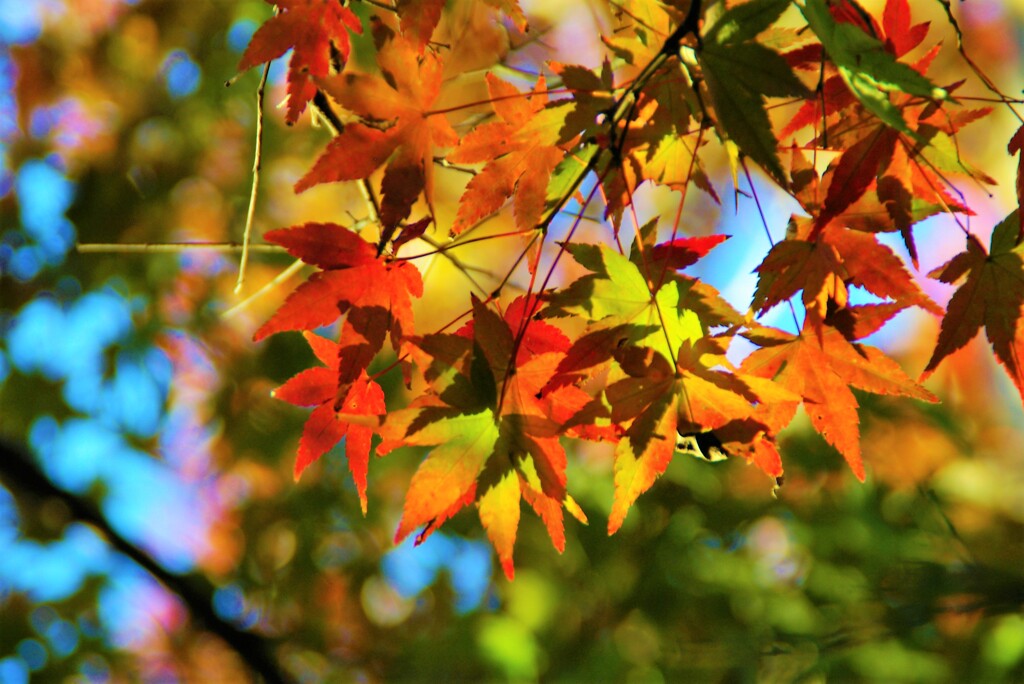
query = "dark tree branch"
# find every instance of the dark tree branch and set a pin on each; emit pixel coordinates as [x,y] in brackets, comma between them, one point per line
[21,476]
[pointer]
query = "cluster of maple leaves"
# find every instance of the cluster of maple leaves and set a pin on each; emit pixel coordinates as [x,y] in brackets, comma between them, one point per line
[500,389]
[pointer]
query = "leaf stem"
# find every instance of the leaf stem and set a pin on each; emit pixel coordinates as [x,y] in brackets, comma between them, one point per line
[459,243]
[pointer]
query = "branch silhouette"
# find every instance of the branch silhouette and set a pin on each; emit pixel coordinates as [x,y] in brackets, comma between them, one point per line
[22,477]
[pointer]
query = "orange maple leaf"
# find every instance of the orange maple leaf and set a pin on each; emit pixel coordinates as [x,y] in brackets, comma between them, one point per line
[520,150]
[821,372]
[397,126]
[419,18]
[825,266]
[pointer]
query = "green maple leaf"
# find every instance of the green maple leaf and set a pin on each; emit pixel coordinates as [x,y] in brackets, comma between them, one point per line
[869,70]
[740,73]
[616,296]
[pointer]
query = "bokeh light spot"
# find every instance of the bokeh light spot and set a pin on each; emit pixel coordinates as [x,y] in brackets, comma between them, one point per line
[240,33]
[22,22]
[182,75]
[13,671]
[33,653]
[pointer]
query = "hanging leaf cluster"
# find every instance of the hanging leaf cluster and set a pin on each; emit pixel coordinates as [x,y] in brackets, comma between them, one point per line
[832,104]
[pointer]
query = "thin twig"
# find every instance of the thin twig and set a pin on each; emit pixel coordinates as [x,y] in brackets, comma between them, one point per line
[278,279]
[256,163]
[459,243]
[986,81]
[767,232]
[170,247]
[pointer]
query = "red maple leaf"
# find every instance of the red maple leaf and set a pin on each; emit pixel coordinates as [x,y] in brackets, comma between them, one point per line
[855,171]
[397,126]
[374,293]
[317,30]
[900,36]
[680,252]
[824,267]
[318,387]
[992,295]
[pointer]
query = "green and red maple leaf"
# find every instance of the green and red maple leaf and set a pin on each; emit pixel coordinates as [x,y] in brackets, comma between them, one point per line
[491,434]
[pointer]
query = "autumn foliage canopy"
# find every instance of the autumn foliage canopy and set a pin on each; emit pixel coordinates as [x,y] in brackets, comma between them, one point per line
[835,106]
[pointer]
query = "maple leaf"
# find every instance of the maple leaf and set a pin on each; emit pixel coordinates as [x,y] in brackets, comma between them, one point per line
[821,370]
[318,387]
[740,73]
[419,18]
[855,170]
[618,300]
[681,252]
[744,22]
[663,261]
[662,143]
[653,140]
[868,69]
[650,398]
[317,30]
[900,36]
[904,192]
[374,293]
[639,30]
[992,295]
[824,267]
[592,98]
[397,127]
[492,439]
[659,380]
[834,97]
[658,401]
[520,150]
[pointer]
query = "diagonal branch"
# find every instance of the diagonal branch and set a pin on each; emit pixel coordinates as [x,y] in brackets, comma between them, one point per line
[21,476]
